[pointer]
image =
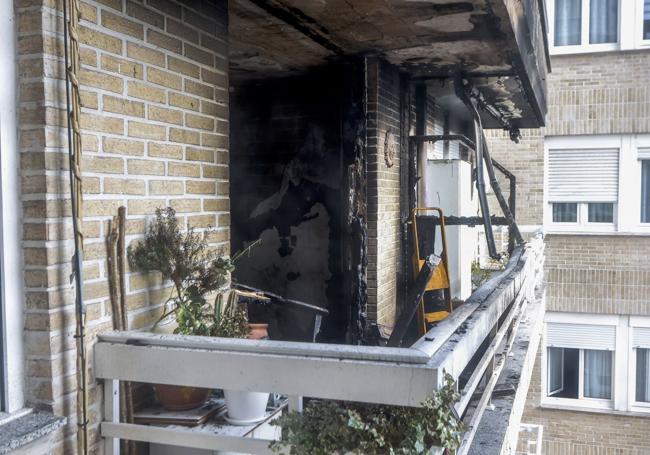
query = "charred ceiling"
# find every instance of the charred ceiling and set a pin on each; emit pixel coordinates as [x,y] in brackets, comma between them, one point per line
[430,39]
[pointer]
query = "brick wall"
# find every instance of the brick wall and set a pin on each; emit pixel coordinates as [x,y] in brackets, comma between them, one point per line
[598,274]
[384,227]
[526,161]
[602,93]
[155,133]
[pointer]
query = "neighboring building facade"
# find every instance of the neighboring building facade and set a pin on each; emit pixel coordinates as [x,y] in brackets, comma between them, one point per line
[161,87]
[588,185]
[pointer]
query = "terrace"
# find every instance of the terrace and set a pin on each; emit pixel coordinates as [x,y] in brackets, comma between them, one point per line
[282,59]
[488,345]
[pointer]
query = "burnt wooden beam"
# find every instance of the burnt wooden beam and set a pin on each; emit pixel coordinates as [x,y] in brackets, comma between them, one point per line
[466,220]
[354,242]
[275,299]
[405,210]
[303,23]
[416,291]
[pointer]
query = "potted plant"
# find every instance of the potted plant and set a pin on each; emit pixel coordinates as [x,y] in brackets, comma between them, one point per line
[332,427]
[196,272]
[244,407]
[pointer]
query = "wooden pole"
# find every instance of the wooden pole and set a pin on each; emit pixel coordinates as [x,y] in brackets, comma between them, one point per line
[115,246]
[126,386]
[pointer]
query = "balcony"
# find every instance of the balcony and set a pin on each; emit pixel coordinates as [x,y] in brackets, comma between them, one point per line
[500,46]
[486,344]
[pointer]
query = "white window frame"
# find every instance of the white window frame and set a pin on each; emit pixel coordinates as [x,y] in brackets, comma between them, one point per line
[624,366]
[581,402]
[582,220]
[627,208]
[635,406]
[584,46]
[11,263]
[550,393]
[639,42]
[637,185]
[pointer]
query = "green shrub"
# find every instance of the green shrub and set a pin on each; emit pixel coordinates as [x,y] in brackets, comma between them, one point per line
[331,427]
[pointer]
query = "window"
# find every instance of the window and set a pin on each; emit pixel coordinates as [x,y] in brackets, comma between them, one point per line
[645,20]
[598,25]
[603,21]
[597,184]
[579,373]
[565,212]
[580,359]
[582,186]
[568,22]
[600,212]
[563,372]
[585,25]
[597,374]
[642,392]
[645,191]
[596,362]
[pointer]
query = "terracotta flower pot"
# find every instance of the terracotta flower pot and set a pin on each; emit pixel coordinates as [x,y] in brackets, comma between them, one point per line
[181,398]
[258,331]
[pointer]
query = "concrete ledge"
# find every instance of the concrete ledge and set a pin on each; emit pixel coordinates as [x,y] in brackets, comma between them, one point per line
[18,433]
[498,429]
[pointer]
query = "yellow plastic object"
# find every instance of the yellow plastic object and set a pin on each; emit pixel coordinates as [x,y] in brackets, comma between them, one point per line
[440,278]
[435,316]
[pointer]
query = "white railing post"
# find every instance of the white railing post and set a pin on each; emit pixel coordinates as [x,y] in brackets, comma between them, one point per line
[111,414]
[295,403]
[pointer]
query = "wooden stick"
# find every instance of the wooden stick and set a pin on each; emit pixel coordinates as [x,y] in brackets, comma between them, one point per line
[111,242]
[117,290]
[121,252]
[127,389]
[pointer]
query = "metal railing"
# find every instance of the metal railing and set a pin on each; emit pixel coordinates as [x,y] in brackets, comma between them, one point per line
[392,376]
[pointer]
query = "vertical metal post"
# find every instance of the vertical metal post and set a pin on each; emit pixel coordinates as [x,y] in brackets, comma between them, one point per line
[512,202]
[420,159]
[295,403]
[4,405]
[111,413]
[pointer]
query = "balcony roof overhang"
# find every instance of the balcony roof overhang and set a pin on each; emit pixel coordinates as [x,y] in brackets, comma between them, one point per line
[499,45]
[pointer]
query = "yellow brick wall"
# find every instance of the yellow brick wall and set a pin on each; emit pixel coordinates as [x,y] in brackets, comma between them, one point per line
[384,226]
[155,133]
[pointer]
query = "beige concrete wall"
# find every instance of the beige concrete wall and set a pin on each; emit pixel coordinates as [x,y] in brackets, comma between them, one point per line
[155,133]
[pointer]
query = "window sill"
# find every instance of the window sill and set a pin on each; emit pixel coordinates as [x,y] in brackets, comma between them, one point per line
[584,408]
[640,233]
[584,49]
[28,428]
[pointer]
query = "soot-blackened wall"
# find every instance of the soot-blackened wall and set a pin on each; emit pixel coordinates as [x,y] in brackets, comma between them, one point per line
[286,174]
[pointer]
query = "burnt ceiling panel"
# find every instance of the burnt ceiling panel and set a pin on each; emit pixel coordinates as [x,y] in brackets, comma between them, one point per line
[427,38]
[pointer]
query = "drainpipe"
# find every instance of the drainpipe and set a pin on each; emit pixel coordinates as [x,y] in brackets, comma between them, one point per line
[512,225]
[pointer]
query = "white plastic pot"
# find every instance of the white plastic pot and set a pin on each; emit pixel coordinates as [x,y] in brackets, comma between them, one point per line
[245,408]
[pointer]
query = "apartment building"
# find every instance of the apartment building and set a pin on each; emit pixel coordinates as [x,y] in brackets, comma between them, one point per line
[588,186]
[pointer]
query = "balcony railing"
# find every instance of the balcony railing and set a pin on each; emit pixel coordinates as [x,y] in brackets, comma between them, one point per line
[392,376]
